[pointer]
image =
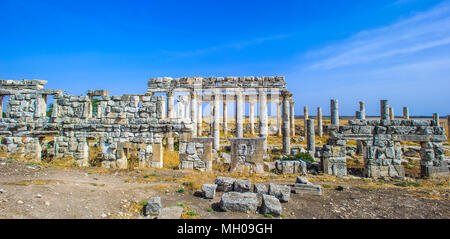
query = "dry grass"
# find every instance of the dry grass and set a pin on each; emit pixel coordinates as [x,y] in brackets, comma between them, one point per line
[32,182]
[171,159]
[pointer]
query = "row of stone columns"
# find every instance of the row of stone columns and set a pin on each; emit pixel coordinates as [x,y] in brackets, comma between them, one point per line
[197,117]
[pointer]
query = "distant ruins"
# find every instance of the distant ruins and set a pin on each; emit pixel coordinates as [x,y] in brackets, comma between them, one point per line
[138,126]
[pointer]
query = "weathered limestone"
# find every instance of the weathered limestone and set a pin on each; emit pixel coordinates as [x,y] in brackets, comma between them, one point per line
[286,124]
[209,190]
[196,153]
[362,109]
[405,113]
[252,117]
[216,121]
[384,109]
[319,122]
[239,115]
[242,185]
[200,118]
[292,118]
[153,206]
[391,113]
[358,115]
[382,149]
[225,118]
[239,202]
[310,136]
[263,123]
[271,205]
[290,167]
[224,184]
[305,118]
[282,192]
[436,118]
[279,119]
[247,154]
[334,112]
[194,117]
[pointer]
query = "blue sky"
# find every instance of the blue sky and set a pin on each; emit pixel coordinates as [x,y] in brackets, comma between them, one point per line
[349,50]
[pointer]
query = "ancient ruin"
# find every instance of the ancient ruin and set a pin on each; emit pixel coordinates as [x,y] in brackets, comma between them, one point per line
[132,130]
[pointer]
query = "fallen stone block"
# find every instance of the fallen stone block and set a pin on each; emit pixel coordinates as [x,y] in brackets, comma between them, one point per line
[171,213]
[239,202]
[307,189]
[282,192]
[153,206]
[209,190]
[302,180]
[271,205]
[224,184]
[260,188]
[242,185]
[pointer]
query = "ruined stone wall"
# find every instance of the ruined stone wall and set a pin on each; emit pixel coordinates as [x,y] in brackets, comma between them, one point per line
[122,126]
[196,153]
[247,154]
[382,149]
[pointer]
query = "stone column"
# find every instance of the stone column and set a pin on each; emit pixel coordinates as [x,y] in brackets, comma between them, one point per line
[359,115]
[292,118]
[319,122]
[448,126]
[436,118]
[239,118]
[216,120]
[211,114]
[286,124]
[194,112]
[310,137]
[279,120]
[252,117]
[384,110]
[362,108]
[200,116]
[405,113]
[391,113]
[225,117]
[170,104]
[263,127]
[305,117]
[186,107]
[334,112]
[1,106]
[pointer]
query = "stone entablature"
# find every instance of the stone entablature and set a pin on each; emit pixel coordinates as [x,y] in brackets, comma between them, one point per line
[162,84]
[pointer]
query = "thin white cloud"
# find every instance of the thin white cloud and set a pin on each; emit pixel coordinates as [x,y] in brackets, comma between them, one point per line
[423,31]
[237,45]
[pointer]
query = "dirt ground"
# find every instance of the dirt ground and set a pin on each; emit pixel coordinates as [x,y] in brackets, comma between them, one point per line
[30,190]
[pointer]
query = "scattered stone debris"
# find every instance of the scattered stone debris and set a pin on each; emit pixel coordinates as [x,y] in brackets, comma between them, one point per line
[153,206]
[224,184]
[209,190]
[260,188]
[282,192]
[242,185]
[303,186]
[271,205]
[239,202]
[171,213]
